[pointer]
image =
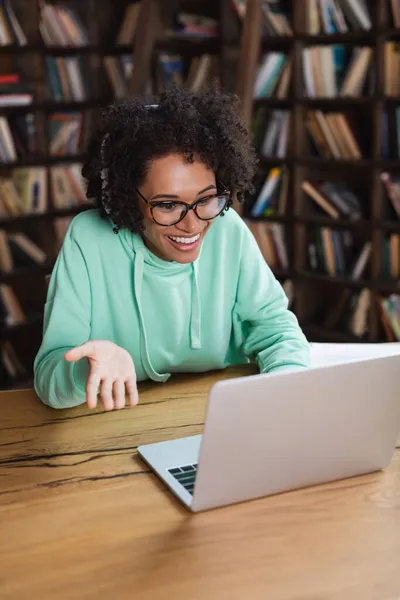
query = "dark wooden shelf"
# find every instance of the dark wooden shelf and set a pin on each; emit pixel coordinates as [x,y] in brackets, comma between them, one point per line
[393,32]
[390,226]
[39,269]
[343,223]
[273,102]
[342,163]
[270,219]
[11,49]
[50,214]
[335,102]
[43,160]
[353,37]
[281,274]
[189,44]
[315,333]
[343,281]
[50,106]
[277,42]
[31,321]
[21,382]
[387,287]
[273,161]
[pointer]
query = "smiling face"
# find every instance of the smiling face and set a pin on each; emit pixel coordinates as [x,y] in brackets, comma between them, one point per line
[171,179]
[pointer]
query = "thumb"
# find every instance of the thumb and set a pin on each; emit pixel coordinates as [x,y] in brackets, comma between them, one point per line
[75,354]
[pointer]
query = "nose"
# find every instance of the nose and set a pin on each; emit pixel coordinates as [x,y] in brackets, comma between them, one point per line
[189,224]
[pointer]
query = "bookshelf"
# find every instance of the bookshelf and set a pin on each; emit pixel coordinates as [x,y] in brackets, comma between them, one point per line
[66,76]
[319,291]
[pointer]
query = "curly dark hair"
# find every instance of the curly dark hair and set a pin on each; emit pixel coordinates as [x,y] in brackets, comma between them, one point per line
[133,133]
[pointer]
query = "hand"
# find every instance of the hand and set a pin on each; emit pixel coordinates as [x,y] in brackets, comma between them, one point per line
[111,368]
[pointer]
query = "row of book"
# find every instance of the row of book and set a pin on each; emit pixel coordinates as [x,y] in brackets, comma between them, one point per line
[270,238]
[349,312]
[17,250]
[353,309]
[273,76]
[334,252]
[15,90]
[276,20]
[17,136]
[271,131]
[25,191]
[194,26]
[334,198]
[321,16]
[334,70]
[67,133]
[329,71]
[10,29]
[337,16]
[332,136]
[337,200]
[330,133]
[62,25]
[271,193]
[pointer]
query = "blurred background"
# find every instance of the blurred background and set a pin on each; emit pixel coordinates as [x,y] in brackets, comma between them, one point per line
[319,89]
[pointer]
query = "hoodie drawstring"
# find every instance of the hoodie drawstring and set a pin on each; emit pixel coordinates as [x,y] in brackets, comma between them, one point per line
[195,313]
[138,279]
[195,317]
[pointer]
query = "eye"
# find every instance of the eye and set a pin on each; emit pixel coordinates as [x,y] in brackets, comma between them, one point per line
[166,206]
[204,201]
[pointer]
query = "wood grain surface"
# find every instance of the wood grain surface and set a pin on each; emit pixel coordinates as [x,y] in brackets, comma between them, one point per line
[81,516]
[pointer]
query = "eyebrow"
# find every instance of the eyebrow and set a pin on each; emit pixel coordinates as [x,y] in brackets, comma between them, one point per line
[209,187]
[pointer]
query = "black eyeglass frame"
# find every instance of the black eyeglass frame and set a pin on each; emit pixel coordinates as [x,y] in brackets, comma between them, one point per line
[187,207]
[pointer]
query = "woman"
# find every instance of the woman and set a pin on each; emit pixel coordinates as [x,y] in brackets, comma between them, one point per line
[154,281]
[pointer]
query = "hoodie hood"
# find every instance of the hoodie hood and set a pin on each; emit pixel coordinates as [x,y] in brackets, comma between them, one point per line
[155,267]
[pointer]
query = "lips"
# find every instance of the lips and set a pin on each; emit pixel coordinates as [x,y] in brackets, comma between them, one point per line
[184,244]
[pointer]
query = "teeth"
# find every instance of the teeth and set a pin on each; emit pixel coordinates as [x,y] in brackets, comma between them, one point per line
[185,240]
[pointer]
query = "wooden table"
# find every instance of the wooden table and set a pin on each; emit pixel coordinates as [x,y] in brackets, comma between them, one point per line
[82,517]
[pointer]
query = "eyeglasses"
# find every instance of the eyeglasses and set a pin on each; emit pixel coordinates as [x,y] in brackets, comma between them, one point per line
[170,212]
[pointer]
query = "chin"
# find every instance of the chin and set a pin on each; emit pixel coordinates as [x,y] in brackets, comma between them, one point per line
[186,259]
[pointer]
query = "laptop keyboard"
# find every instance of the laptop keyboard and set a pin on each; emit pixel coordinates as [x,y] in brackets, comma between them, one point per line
[186,476]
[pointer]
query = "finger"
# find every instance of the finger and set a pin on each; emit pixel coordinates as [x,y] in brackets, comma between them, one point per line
[86,349]
[119,393]
[92,389]
[132,391]
[106,394]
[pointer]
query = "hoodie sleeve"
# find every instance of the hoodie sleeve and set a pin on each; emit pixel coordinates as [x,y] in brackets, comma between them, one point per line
[67,316]
[272,335]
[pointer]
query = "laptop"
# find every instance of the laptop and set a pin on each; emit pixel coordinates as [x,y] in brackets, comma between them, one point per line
[267,434]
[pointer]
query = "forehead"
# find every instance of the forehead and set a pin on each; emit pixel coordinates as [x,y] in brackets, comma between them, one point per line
[173,174]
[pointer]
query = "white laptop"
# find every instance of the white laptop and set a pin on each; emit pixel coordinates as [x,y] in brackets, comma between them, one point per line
[267,434]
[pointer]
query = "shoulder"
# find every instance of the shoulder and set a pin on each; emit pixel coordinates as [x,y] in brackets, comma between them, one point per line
[230,230]
[230,223]
[89,225]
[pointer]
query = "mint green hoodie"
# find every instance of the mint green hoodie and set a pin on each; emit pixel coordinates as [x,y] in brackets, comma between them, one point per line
[223,309]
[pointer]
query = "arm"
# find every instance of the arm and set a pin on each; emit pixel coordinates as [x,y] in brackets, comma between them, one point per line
[67,316]
[272,335]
